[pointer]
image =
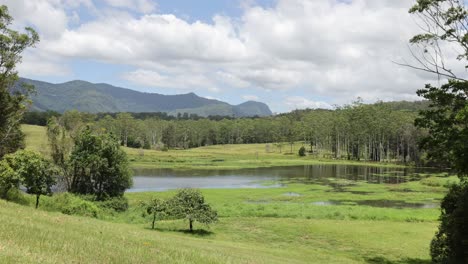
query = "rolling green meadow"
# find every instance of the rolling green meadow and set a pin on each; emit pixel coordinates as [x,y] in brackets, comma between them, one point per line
[288,224]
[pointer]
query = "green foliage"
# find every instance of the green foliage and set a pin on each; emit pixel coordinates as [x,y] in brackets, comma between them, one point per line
[17,196]
[157,208]
[190,204]
[100,167]
[61,144]
[38,118]
[9,179]
[451,240]
[29,169]
[302,151]
[446,121]
[70,204]
[118,204]
[187,204]
[36,173]
[12,101]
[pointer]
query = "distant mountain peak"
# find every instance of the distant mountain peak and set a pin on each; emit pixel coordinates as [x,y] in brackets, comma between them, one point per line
[101,97]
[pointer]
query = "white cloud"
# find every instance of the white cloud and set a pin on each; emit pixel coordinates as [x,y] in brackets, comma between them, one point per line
[36,65]
[143,6]
[298,102]
[250,97]
[327,48]
[156,79]
[47,16]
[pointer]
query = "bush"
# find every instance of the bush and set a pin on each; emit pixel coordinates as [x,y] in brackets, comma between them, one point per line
[302,151]
[433,181]
[118,204]
[451,240]
[70,204]
[17,196]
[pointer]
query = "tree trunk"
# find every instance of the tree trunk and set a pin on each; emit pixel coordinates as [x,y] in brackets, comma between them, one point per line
[37,201]
[154,220]
[191,225]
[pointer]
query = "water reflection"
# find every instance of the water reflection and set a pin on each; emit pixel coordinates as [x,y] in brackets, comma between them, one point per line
[166,179]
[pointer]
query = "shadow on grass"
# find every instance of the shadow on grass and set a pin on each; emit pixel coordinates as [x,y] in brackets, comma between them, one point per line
[381,260]
[196,232]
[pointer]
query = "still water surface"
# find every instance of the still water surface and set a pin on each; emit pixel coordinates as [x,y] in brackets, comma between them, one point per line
[166,179]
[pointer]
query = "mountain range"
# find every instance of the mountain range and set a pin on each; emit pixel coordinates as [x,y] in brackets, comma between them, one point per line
[104,98]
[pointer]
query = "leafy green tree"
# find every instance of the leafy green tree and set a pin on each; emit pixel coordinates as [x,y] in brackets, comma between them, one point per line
[447,119]
[99,166]
[157,208]
[447,124]
[447,143]
[125,125]
[450,242]
[61,144]
[35,173]
[168,136]
[190,204]
[13,99]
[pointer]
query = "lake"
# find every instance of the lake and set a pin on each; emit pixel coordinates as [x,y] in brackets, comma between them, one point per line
[166,179]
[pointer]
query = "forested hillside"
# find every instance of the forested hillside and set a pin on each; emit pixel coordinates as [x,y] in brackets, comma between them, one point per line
[88,97]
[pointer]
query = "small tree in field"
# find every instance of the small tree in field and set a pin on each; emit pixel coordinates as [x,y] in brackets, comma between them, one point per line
[34,172]
[157,208]
[190,204]
[302,151]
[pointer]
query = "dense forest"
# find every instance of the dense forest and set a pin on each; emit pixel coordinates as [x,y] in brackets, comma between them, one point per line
[376,132]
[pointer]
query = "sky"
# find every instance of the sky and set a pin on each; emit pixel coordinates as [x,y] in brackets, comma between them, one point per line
[290,54]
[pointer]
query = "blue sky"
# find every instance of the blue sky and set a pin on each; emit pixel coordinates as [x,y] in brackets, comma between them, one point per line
[287,53]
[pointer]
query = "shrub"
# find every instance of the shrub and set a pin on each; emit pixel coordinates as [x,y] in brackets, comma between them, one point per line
[118,204]
[432,181]
[17,196]
[451,240]
[302,151]
[70,204]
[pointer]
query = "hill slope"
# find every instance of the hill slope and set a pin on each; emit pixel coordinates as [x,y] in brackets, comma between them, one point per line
[94,98]
[35,236]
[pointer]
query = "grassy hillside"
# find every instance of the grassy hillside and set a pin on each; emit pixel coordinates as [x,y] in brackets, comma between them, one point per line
[32,236]
[210,157]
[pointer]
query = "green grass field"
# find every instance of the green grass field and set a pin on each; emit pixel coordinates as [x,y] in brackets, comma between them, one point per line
[32,236]
[272,225]
[210,157]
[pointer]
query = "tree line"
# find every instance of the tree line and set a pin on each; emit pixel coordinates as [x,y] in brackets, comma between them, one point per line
[371,132]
